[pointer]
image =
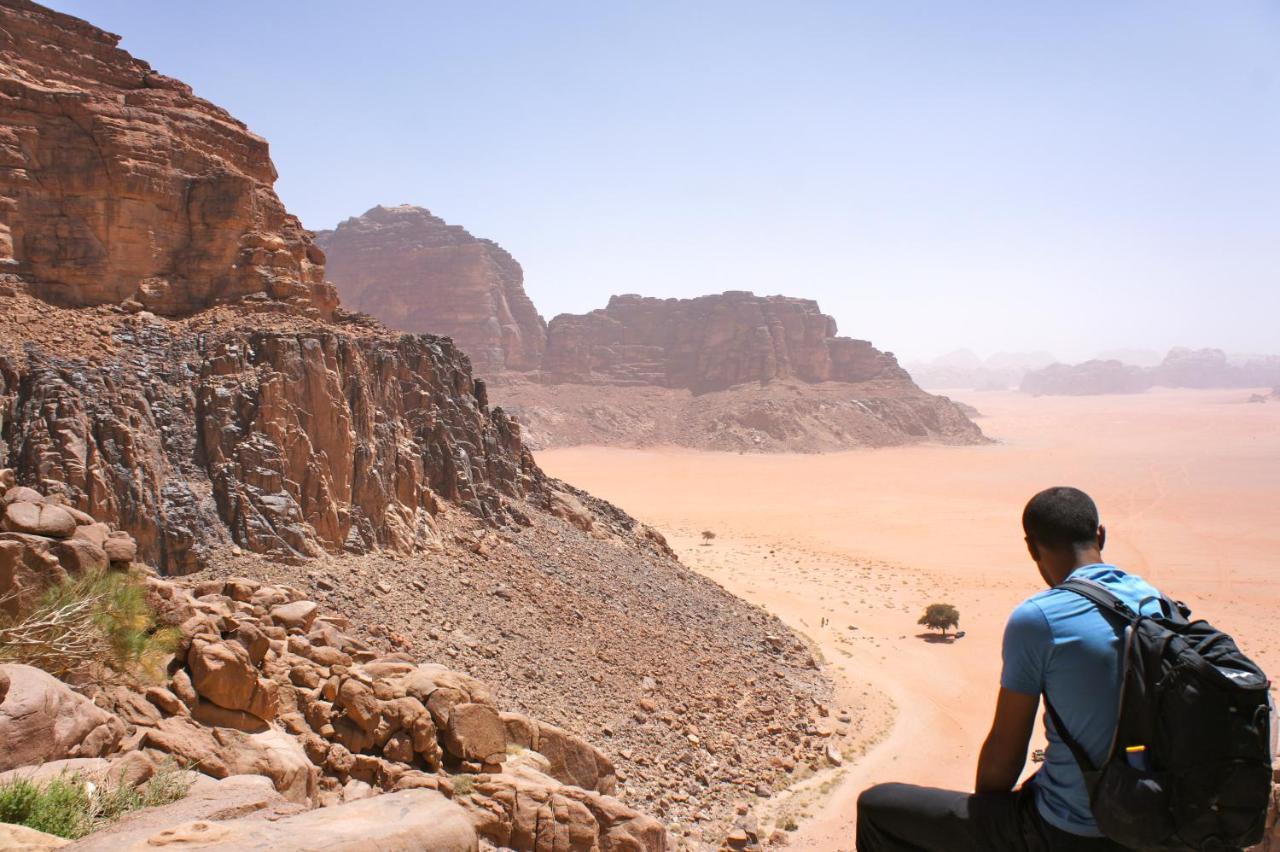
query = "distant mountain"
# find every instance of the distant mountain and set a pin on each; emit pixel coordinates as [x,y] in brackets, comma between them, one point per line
[1180,368]
[963,369]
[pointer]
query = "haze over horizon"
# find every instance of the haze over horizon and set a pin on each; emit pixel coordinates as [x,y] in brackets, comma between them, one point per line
[1069,180]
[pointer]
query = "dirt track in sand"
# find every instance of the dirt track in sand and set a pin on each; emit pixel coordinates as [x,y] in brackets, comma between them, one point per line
[1188,483]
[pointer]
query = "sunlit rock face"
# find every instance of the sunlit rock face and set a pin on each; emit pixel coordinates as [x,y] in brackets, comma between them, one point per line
[416,273]
[709,343]
[117,183]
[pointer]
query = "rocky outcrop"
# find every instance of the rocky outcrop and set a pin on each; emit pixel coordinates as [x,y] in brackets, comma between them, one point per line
[256,690]
[416,273]
[119,185]
[1181,368]
[1091,377]
[407,821]
[708,343]
[1211,368]
[296,441]
[41,719]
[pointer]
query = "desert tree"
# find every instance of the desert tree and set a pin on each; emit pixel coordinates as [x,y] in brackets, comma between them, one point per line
[940,616]
[707,536]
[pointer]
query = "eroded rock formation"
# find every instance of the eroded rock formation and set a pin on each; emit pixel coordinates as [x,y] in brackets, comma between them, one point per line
[708,343]
[416,273]
[119,184]
[624,374]
[294,441]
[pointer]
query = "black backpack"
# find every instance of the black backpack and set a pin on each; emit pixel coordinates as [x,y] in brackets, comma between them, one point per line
[1189,767]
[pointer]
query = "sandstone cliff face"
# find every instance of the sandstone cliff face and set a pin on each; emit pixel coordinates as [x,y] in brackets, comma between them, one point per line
[708,343]
[117,183]
[293,442]
[415,272]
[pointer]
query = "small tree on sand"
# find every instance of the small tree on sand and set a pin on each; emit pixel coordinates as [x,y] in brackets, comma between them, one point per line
[940,616]
[707,536]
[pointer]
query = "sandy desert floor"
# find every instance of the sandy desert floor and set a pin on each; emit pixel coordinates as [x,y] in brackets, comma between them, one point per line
[848,548]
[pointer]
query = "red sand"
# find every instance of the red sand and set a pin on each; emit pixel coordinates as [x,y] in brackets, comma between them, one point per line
[1187,481]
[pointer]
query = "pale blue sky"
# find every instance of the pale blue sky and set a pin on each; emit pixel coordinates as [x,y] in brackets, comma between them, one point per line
[1002,176]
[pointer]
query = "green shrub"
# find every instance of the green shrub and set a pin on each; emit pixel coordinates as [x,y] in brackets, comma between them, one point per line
[68,806]
[99,618]
[59,806]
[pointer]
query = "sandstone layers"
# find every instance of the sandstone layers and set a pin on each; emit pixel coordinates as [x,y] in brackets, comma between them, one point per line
[416,273]
[709,343]
[182,374]
[118,184]
[732,371]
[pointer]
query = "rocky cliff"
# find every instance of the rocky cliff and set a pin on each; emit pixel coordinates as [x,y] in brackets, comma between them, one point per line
[117,184]
[732,371]
[709,343]
[291,439]
[415,272]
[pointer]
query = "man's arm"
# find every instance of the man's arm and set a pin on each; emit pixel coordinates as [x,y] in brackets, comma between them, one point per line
[1004,753]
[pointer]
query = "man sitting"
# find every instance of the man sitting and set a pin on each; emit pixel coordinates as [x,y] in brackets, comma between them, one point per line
[1056,643]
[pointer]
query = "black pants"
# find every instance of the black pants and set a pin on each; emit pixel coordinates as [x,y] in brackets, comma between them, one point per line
[907,818]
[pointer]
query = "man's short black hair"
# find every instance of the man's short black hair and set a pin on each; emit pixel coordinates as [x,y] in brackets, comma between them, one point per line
[1061,517]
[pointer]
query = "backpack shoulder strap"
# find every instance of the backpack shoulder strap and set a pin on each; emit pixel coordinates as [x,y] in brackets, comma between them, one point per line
[1077,751]
[1100,595]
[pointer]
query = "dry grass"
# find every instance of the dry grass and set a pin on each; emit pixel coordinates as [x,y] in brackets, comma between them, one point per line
[98,619]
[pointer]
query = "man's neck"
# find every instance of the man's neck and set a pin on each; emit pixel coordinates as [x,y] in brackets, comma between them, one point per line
[1080,558]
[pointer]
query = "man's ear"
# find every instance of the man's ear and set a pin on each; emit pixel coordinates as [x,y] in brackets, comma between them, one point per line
[1102,537]
[1032,548]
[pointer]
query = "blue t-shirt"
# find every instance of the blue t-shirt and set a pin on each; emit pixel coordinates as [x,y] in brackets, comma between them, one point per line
[1057,642]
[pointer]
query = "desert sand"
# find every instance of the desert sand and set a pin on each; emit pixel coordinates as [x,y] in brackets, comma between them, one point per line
[1187,483]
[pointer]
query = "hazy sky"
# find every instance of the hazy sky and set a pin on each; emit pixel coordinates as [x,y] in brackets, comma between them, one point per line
[1002,176]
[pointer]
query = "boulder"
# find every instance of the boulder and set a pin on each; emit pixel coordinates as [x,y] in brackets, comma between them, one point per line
[19,838]
[475,732]
[41,719]
[528,810]
[406,821]
[38,519]
[569,759]
[298,615]
[20,493]
[78,556]
[223,673]
[120,547]
[222,752]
